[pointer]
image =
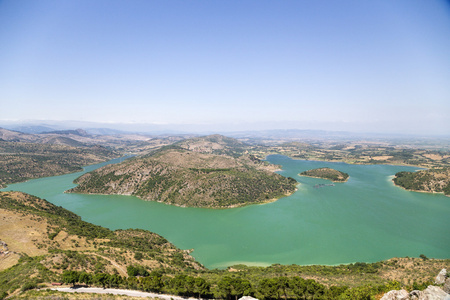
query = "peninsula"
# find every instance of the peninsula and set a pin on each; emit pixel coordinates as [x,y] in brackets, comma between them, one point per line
[431,181]
[191,174]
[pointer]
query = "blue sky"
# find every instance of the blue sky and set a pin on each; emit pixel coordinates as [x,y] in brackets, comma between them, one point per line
[377,66]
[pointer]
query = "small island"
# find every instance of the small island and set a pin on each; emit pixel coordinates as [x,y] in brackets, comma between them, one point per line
[326,173]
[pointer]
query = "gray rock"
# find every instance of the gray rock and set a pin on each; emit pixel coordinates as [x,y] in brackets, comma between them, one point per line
[415,295]
[396,295]
[434,293]
[446,287]
[247,298]
[440,278]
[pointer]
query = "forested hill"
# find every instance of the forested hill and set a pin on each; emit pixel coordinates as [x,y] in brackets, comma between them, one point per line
[21,161]
[177,176]
[432,181]
[327,173]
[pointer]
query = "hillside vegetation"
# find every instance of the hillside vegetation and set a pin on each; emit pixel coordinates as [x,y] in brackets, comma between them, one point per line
[175,175]
[22,161]
[327,173]
[432,181]
[43,243]
[186,178]
[42,240]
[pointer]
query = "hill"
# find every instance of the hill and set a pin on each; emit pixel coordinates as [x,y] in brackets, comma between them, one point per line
[40,240]
[431,181]
[327,173]
[215,144]
[22,161]
[79,132]
[177,176]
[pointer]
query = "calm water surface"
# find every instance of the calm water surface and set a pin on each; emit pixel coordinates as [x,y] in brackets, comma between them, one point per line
[366,219]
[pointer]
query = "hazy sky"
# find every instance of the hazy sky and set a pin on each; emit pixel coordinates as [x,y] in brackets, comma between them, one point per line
[375,66]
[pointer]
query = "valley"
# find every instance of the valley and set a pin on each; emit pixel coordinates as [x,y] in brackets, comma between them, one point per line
[194,173]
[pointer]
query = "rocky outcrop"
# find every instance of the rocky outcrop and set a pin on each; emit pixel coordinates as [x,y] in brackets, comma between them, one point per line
[396,295]
[430,293]
[446,287]
[440,278]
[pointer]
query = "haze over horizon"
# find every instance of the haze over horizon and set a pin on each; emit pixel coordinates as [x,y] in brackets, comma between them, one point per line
[355,66]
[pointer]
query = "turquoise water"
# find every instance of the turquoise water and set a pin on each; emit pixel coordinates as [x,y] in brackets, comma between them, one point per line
[366,219]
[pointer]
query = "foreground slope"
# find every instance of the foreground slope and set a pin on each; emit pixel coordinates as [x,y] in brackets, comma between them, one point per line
[175,175]
[40,240]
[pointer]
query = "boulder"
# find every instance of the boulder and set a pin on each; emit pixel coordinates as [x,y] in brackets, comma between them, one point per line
[247,298]
[440,278]
[396,295]
[434,293]
[415,295]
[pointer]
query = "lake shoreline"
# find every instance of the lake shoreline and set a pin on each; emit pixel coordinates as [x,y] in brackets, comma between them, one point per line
[309,227]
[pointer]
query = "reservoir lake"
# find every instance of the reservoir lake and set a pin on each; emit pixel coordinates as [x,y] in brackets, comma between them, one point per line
[366,219]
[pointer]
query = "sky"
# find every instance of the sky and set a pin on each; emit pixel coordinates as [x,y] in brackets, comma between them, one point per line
[373,66]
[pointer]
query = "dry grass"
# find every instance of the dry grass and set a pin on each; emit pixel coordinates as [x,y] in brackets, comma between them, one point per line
[26,234]
[382,158]
[407,270]
[22,232]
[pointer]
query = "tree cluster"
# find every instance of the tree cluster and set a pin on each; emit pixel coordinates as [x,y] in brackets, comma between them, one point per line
[228,287]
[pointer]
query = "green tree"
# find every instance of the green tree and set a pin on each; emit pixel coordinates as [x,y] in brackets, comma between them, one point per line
[102,279]
[314,289]
[70,277]
[85,278]
[114,280]
[298,287]
[201,287]
[153,283]
[234,287]
[268,288]
[178,284]
[282,286]
[137,271]
[335,291]
[138,256]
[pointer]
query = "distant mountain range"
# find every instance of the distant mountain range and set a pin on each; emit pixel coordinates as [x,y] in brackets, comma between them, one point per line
[201,129]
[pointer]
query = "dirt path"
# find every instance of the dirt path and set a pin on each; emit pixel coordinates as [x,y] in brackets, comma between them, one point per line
[121,270]
[130,293]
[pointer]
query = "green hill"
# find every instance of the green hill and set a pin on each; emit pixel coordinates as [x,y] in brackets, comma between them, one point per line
[22,161]
[182,177]
[327,173]
[432,181]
